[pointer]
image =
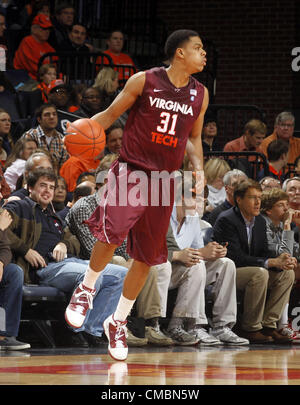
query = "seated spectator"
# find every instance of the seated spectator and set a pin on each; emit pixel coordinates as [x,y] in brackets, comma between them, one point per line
[36,160]
[64,97]
[11,291]
[46,74]
[75,44]
[60,195]
[214,171]
[284,129]
[88,178]
[257,270]
[37,6]
[91,102]
[5,53]
[279,217]
[115,43]
[209,134]
[292,188]
[230,180]
[6,140]
[76,40]
[269,182]
[254,133]
[114,135]
[15,164]
[5,191]
[47,251]
[107,82]
[196,264]
[62,23]
[297,165]
[46,135]
[82,190]
[34,46]
[277,152]
[148,302]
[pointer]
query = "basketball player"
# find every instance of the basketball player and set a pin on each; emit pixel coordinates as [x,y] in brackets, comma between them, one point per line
[167,107]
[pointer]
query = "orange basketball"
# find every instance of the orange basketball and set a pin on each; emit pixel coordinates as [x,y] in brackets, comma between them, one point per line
[84,138]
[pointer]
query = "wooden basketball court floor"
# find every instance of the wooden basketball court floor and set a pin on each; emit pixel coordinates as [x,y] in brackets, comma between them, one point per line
[151,366]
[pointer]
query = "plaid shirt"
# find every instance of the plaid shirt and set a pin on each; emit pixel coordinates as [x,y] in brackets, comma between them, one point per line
[80,212]
[55,147]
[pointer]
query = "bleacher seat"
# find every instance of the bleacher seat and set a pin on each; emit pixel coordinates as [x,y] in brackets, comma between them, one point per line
[17,76]
[10,102]
[43,305]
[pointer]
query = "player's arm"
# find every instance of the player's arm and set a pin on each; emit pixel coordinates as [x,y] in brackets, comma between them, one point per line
[194,147]
[132,90]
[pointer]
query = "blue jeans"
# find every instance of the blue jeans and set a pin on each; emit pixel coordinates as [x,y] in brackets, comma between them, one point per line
[67,274]
[11,293]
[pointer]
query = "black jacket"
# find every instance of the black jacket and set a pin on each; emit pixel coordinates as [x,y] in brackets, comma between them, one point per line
[230,227]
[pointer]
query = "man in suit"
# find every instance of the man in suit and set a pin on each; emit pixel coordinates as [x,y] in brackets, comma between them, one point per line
[244,229]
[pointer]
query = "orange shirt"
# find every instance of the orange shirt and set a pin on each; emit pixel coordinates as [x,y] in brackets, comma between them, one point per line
[29,53]
[294,147]
[120,59]
[238,145]
[73,167]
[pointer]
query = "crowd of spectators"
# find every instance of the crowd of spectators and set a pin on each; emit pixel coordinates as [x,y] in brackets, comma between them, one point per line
[245,238]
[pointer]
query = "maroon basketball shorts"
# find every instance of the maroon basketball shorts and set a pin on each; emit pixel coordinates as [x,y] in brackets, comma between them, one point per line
[138,207]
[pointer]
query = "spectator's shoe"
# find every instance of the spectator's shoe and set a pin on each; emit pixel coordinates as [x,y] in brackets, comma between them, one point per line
[226,336]
[116,332]
[291,333]
[181,337]
[204,338]
[134,341]
[81,301]
[156,337]
[11,343]
[75,339]
[95,341]
[256,336]
[276,336]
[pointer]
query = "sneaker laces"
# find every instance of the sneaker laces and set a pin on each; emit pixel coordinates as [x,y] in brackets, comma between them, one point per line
[200,332]
[87,295]
[228,331]
[179,332]
[120,333]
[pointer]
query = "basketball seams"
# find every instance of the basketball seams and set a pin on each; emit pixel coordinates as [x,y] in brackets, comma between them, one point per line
[91,140]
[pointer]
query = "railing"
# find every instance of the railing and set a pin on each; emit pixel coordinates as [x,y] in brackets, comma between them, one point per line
[232,118]
[250,163]
[80,67]
[84,67]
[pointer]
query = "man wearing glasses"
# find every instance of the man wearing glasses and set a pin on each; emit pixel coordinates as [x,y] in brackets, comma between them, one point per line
[284,129]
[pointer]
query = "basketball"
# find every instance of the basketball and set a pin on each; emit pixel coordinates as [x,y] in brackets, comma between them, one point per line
[84,138]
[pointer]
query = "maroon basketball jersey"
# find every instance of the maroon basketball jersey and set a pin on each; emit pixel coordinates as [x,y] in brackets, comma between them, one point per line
[160,122]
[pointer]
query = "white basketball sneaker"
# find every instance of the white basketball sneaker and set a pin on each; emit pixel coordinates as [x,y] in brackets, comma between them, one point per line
[116,332]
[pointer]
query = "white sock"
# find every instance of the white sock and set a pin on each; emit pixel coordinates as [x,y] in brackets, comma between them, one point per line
[123,309]
[90,278]
[284,319]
